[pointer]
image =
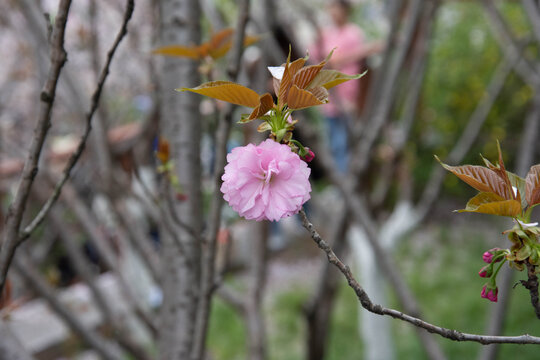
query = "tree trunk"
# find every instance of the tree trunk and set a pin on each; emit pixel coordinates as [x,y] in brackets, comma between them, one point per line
[180,125]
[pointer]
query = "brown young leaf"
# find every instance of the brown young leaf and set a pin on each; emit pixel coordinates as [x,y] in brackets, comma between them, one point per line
[178,50]
[532,185]
[300,99]
[306,75]
[227,91]
[224,48]
[266,103]
[490,203]
[287,80]
[220,38]
[481,178]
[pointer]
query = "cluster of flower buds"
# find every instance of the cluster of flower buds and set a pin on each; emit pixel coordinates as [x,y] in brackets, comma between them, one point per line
[492,257]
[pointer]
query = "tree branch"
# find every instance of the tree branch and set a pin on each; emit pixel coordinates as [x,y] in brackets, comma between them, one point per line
[30,170]
[532,285]
[93,107]
[366,303]
[106,349]
[509,46]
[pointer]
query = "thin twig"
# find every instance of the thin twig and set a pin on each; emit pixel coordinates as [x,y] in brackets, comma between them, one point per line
[30,170]
[93,107]
[367,304]
[108,350]
[510,46]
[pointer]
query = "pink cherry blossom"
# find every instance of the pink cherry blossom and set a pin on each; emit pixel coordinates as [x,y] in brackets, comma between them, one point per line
[265,182]
[490,294]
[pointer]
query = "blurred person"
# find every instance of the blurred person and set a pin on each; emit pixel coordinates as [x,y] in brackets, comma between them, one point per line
[350,49]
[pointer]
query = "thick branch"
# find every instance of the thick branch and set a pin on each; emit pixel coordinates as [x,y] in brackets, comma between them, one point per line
[366,303]
[532,285]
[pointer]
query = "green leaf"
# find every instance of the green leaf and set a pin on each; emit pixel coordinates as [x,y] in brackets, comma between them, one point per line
[330,78]
[264,127]
[523,253]
[227,91]
[519,184]
[490,203]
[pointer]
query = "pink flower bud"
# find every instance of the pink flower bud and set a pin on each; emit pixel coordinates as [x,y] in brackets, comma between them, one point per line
[309,156]
[490,294]
[487,257]
[484,272]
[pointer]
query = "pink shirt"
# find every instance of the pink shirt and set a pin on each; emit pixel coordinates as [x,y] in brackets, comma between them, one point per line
[348,41]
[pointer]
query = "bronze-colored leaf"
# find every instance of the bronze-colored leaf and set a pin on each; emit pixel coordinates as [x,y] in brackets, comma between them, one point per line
[490,203]
[331,78]
[481,178]
[223,49]
[287,80]
[320,93]
[306,75]
[532,185]
[220,38]
[300,99]
[179,51]
[276,83]
[227,91]
[266,103]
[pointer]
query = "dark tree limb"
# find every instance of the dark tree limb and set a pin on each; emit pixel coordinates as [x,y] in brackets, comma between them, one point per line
[367,304]
[531,284]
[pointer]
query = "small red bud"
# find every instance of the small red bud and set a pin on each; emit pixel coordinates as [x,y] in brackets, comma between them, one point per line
[309,156]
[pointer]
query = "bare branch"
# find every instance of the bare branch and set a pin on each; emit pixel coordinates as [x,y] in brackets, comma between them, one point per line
[17,207]
[533,13]
[106,349]
[387,94]
[93,107]
[366,303]
[509,46]
[468,136]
